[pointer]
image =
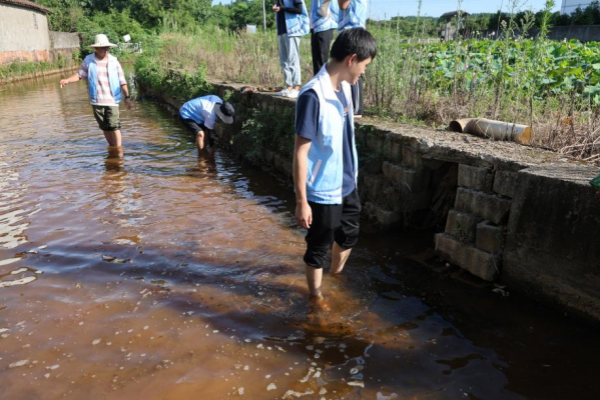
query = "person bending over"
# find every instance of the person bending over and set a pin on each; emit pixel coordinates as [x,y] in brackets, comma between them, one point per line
[200,114]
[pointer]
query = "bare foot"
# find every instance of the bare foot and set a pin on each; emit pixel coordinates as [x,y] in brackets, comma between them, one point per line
[317,312]
[318,304]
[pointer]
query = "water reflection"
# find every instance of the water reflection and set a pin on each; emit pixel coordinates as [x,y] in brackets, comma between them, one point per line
[114,160]
[14,211]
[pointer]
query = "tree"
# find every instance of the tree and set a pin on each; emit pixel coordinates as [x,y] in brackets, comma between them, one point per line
[245,12]
[65,14]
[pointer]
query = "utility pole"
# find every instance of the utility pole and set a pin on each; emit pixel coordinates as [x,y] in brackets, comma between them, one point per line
[264,16]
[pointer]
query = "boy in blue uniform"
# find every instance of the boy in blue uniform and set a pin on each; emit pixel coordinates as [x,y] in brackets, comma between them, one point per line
[325,158]
[200,114]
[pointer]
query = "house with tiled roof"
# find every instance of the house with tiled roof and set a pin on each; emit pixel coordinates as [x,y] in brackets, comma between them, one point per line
[25,33]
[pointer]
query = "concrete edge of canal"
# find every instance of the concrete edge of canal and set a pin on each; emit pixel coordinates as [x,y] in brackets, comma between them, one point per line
[517,215]
[39,74]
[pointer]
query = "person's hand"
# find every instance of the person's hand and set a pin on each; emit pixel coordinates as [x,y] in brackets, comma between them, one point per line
[128,103]
[303,215]
[276,8]
[63,82]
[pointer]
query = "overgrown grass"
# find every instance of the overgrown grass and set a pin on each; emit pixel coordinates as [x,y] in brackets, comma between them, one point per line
[19,69]
[553,86]
[233,56]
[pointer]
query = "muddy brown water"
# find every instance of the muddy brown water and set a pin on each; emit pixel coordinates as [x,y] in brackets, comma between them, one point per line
[161,275]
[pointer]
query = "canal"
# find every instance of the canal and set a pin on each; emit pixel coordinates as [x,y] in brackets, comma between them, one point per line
[157,274]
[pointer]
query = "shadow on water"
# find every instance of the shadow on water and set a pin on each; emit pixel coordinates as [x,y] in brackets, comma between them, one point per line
[161,274]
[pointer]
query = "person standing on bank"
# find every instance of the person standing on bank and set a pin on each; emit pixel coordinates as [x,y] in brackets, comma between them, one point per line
[292,23]
[323,22]
[353,14]
[106,87]
[325,159]
[200,114]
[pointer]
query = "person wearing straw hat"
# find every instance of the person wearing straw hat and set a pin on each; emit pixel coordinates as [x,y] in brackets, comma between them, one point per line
[106,87]
[200,114]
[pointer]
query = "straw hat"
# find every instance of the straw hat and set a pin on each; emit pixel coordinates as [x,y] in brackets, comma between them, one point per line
[102,41]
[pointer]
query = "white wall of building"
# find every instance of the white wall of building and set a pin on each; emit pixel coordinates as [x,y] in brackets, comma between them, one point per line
[23,29]
[569,6]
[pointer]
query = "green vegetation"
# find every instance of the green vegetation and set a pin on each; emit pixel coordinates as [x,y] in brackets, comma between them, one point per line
[267,130]
[171,81]
[20,69]
[476,23]
[553,86]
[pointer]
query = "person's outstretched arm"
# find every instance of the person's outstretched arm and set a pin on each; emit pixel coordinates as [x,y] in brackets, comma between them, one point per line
[72,78]
[81,74]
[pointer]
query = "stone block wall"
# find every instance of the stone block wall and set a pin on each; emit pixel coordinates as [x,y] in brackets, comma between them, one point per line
[64,40]
[8,57]
[476,227]
[396,180]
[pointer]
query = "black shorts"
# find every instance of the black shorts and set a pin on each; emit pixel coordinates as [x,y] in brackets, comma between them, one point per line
[195,127]
[339,222]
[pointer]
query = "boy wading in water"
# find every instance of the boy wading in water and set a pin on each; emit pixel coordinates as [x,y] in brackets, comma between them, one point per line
[325,158]
[199,115]
[106,86]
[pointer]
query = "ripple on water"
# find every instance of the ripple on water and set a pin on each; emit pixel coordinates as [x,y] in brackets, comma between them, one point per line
[15,209]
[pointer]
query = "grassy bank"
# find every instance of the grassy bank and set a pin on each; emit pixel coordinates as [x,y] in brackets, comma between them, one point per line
[553,86]
[22,70]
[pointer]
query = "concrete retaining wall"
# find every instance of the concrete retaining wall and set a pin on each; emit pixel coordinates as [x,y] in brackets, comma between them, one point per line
[506,212]
[64,40]
[553,247]
[583,33]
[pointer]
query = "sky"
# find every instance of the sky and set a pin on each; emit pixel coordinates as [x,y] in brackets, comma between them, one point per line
[384,9]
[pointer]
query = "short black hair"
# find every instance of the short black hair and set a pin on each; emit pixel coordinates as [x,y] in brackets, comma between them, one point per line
[354,41]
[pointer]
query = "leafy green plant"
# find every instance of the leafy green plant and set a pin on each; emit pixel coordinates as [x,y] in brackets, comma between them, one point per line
[267,130]
[163,78]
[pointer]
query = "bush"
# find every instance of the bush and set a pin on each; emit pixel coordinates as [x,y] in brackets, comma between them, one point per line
[178,84]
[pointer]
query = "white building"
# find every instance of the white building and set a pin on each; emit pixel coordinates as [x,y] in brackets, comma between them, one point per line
[569,6]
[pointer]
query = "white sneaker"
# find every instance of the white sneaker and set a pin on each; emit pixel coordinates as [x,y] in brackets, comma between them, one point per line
[293,94]
[283,93]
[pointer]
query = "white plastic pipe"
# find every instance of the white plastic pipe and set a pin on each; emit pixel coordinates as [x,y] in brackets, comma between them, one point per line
[493,129]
